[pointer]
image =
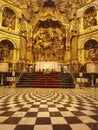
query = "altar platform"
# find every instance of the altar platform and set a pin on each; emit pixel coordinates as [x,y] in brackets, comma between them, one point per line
[50,65]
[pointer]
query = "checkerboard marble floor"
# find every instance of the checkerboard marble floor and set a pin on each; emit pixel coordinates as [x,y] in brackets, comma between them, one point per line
[48,109]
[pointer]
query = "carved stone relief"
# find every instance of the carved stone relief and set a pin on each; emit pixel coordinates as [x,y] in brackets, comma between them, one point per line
[91,50]
[6,51]
[8,18]
[49,42]
[90,17]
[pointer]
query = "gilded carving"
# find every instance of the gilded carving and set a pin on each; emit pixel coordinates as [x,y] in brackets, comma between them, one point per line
[6,51]
[49,41]
[91,50]
[90,18]
[8,19]
[93,54]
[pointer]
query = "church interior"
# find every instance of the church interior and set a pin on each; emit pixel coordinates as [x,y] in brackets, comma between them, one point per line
[49,64]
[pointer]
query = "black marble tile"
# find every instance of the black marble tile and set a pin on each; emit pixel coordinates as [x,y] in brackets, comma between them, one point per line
[24,127]
[43,120]
[61,127]
[73,120]
[23,109]
[43,109]
[62,109]
[31,114]
[7,113]
[93,126]
[95,117]
[12,120]
[78,113]
[55,114]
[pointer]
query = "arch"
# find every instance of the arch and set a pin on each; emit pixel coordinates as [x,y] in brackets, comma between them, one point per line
[90,44]
[88,39]
[86,7]
[12,8]
[5,42]
[6,38]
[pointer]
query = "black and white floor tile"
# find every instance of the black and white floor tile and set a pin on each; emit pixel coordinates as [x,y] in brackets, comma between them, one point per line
[48,109]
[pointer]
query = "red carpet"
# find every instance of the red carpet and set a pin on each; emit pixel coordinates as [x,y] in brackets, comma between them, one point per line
[46,80]
[41,80]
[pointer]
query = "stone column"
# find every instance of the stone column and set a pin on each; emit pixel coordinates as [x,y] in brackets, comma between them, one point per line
[23,42]
[68,47]
[0,18]
[74,53]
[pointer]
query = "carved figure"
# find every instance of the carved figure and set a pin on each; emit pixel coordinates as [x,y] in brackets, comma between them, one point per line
[93,53]
[8,18]
[90,18]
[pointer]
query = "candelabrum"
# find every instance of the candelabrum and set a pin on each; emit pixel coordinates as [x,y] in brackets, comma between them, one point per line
[92,79]
[2,79]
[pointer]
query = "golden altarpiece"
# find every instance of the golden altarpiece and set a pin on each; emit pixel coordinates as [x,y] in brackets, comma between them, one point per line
[59,31]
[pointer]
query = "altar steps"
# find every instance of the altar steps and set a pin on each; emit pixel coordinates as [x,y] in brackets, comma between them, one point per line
[66,80]
[38,79]
[26,80]
[45,80]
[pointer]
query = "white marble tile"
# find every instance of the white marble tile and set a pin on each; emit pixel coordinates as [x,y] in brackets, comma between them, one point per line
[2,112]
[33,110]
[27,121]
[14,109]
[71,109]
[43,127]
[79,127]
[36,103]
[53,109]
[43,114]
[3,118]
[43,106]
[58,120]
[87,112]
[7,127]
[59,105]
[87,119]
[19,114]
[67,114]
